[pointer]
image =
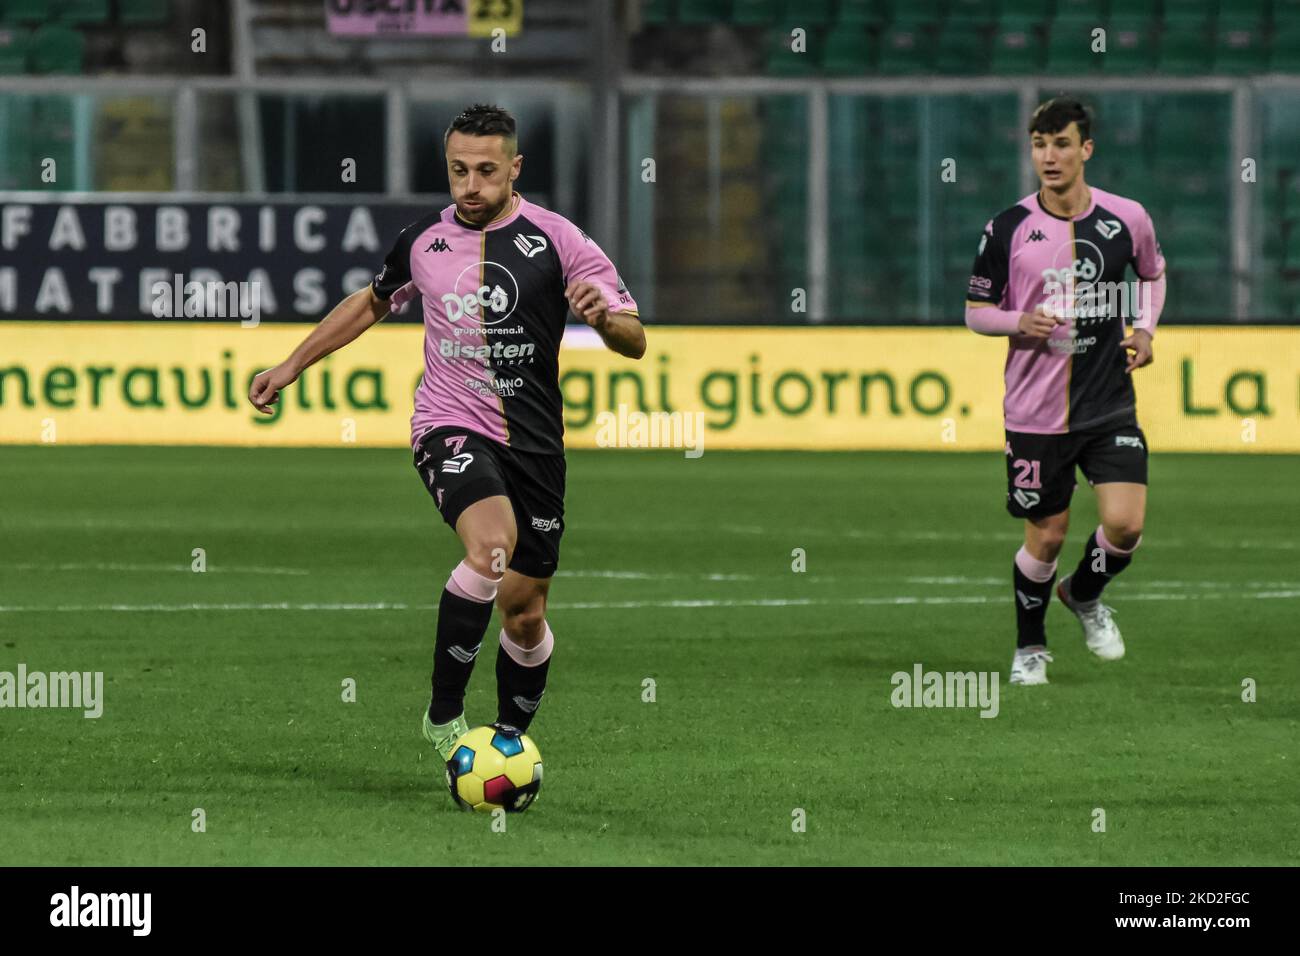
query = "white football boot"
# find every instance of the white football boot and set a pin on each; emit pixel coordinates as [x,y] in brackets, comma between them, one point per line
[1099,628]
[1029,665]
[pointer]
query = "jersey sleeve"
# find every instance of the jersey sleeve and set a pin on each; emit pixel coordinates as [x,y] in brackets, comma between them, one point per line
[396,271]
[583,261]
[1148,260]
[989,275]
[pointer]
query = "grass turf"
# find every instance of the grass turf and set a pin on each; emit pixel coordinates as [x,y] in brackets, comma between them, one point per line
[772,687]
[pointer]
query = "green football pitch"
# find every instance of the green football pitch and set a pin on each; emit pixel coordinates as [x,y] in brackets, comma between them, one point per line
[771,687]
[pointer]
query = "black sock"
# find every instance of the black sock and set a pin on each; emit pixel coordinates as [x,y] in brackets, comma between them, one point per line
[461,624]
[1031,607]
[1096,568]
[519,689]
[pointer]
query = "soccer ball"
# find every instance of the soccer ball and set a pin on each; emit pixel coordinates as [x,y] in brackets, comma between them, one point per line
[494,766]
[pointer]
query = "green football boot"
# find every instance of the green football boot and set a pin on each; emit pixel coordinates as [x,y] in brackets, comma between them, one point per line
[444,736]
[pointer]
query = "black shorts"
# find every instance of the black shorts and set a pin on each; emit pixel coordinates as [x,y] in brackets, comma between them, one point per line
[459,467]
[1040,468]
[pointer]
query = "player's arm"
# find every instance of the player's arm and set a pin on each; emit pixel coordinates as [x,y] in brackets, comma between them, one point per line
[622,332]
[346,321]
[1147,261]
[987,319]
[988,282]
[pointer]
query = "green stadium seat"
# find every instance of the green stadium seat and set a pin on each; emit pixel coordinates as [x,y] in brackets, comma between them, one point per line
[1017,47]
[1185,48]
[1069,45]
[1243,9]
[905,48]
[1130,46]
[143,12]
[15,42]
[848,51]
[1093,11]
[28,11]
[914,12]
[961,49]
[84,11]
[867,13]
[1239,46]
[57,49]
[1036,10]
[1189,11]
[1285,57]
[761,13]
[703,11]
[808,13]
[971,13]
[784,61]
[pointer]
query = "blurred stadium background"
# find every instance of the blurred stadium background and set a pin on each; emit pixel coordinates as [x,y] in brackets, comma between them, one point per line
[782,219]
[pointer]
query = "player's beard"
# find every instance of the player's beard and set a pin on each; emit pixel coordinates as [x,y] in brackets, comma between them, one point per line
[485,214]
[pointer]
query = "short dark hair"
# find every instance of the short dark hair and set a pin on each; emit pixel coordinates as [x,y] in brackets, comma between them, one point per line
[483,120]
[1058,113]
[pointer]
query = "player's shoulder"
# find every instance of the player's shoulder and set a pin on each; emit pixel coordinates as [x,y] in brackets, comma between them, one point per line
[551,222]
[1004,224]
[1132,212]
[417,227]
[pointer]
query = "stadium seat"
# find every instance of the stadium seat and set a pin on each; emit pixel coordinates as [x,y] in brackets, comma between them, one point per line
[971,13]
[143,12]
[1243,9]
[1093,11]
[1189,11]
[808,13]
[1036,10]
[1239,46]
[868,13]
[961,49]
[1285,57]
[1130,46]
[57,49]
[761,13]
[703,11]
[1184,48]
[1069,45]
[848,51]
[14,45]
[904,48]
[84,11]
[28,11]
[1017,47]
[914,12]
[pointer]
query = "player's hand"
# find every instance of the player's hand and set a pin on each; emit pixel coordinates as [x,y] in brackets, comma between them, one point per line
[265,390]
[1039,324]
[588,304]
[1139,343]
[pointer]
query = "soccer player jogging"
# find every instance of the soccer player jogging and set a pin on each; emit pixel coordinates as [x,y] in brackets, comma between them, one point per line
[498,275]
[1050,275]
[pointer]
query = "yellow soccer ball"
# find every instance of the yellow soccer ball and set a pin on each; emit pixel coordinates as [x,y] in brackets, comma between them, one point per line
[494,766]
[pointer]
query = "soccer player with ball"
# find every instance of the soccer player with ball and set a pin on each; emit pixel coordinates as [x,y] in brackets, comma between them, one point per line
[1050,275]
[498,275]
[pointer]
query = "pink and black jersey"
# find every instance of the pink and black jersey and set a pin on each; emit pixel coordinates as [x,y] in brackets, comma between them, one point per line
[1029,257]
[494,315]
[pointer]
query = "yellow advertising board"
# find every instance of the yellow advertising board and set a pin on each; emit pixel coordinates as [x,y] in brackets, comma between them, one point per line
[1225,389]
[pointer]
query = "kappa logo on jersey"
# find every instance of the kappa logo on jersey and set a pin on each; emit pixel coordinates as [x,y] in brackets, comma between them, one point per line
[530,245]
[1028,602]
[1109,228]
[458,464]
[1036,236]
[546,524]
[1128,441]
[1026,499]
[438,245]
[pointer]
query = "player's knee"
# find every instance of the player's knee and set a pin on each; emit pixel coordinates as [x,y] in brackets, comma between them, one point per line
[489,553]
[1124,534]
[1046,543]
[525,624]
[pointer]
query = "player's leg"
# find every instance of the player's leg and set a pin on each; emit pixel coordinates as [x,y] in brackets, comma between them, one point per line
[1040,482]
[461,471]
[1122,506]
[1115,462]
[524,652]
